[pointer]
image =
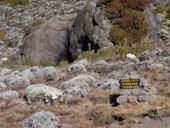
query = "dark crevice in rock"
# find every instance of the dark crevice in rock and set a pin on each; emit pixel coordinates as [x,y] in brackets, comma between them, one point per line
[69,58]
[85,41]
[94,22]
[113,101]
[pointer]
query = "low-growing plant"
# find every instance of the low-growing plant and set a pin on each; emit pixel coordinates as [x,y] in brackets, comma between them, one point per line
[46,63]
[168,13]
[161,9]
[17,2]
[113,9]
[63,63]
[117,34]
[28,62]
[164,20]
[135,4]
[12,42]
[2,34]
[37,22]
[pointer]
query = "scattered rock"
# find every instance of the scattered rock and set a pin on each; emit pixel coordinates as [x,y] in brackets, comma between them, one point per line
[41,119]
[131,56]
[4,59]
[163,34]
[77,68]
[110,84]
[16,80]
[10,94]
[47,73]
[122,99]
[115,75]
[78,86]
[100,66]
[145,56]
[2,86]
[41,92]
[83,62]
[5,72]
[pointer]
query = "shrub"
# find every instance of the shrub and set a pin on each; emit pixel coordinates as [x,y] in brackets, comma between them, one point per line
[103,2]
[28,62]
[37,22]
[46,63]
[131,23]
[135,4]
[161,9]
[164,20]
[168,4]
[2,34]
[114,9]
[117,34]
[12,43]
[168,13]
[63,63]
[136,28]
[17,2]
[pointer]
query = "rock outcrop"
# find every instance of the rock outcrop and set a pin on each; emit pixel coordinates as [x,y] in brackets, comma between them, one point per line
[49,42]
[90,27]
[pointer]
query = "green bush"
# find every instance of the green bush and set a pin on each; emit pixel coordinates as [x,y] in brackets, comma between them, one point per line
[46,63]
[133,30]
[117,34]
[135,4]
[2,34]
[135,25]
[63,63]
[168,13]
[28,62]
[12,43]
[161,9]
[37,22]
[130,23]
[164,20]
[114,8]
[17,2]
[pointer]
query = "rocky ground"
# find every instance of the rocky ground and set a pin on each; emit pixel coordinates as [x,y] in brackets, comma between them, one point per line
[84,93]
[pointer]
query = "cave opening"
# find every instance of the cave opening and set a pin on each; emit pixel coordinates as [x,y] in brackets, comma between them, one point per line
[113,101]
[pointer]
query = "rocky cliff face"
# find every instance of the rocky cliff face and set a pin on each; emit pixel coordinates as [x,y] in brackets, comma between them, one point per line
[90,27]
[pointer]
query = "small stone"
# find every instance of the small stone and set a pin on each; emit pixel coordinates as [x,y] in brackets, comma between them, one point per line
[2,86]
[77,68]
[5,72]
[122,99]
[10,94]
[131,57]
[132,99]
[4,59]
[110,84]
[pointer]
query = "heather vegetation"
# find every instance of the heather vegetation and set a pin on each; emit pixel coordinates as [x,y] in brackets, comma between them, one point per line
[17,2]
[126,10]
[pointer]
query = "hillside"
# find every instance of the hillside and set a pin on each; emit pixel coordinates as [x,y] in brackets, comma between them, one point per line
[63,62]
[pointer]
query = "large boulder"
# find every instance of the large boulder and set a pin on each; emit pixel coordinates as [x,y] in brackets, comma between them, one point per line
[41,119]
[49,41]
[41,92]
[90,27]
[78,86]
